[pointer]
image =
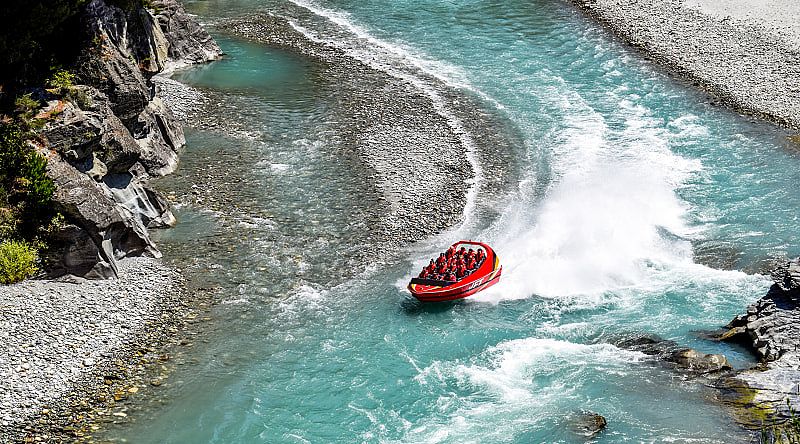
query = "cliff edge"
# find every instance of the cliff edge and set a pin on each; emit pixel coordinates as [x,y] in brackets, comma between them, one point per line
[103,147]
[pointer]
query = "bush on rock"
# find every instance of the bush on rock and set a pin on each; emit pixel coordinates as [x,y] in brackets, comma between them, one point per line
[17,261]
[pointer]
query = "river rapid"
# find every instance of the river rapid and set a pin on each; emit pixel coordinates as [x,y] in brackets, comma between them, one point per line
[620,201]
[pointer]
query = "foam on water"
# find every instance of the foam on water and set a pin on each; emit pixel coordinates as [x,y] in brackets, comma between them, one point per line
[511,387]
[611,213]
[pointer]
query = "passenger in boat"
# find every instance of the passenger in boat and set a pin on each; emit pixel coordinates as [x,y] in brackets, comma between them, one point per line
[443,269]
[451,277]
[462,251]
[451,251]
[473,264]
[442,259]
[462,271]
[481,255]
[424,274]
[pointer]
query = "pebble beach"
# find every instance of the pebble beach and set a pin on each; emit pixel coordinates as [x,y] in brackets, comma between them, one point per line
[63,339]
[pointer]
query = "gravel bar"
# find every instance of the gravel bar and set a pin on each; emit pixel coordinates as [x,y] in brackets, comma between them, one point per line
[743,51]
[65,344]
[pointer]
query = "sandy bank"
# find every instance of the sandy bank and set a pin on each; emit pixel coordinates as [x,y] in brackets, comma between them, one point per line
[61,341]
[744,52]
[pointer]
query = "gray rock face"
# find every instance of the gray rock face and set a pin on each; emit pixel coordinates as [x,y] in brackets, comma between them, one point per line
[159,137]
[108,63]
[101,153]
[771,326]
[771,329]
[114,230]
[188,41]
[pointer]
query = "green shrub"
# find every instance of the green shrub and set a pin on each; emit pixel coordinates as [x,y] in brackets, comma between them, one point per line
[61,80]
[786,431]
[25,189]
[26,106]
[17,261]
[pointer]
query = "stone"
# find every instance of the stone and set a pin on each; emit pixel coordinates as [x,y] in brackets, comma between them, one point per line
[587,424]
[681,358]
[695,361]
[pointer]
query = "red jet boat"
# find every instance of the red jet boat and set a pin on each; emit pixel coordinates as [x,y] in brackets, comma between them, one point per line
[486,275]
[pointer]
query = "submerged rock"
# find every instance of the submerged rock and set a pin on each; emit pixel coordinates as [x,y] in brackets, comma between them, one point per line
[587,424]
[681,358]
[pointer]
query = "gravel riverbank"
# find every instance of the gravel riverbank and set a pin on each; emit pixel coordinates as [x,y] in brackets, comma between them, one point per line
[65,344]
[744,52]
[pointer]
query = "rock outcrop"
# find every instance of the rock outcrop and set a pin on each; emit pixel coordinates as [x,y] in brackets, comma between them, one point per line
[680,358]
[771,329]
[115,134]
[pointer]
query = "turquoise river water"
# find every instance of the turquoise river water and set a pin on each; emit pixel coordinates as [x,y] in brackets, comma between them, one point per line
[640,207]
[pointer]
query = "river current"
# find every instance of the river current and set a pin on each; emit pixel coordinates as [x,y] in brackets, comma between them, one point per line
[637,206]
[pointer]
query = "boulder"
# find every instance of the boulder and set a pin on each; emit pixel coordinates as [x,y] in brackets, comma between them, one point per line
[73,252]
[681,358]
[694,361]
[586,424]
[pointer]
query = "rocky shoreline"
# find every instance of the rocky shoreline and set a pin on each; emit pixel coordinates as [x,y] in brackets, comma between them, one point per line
[771,329]
[749,62]
[70,344]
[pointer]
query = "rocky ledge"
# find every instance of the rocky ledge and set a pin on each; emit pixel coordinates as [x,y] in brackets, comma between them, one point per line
[115,134]
[771,329]
[743,59]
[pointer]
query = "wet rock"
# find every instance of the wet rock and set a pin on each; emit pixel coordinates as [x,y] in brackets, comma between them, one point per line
[771,326]
[587,424]
[681,358]
[694,361]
